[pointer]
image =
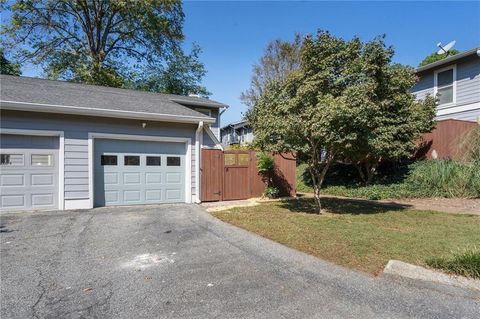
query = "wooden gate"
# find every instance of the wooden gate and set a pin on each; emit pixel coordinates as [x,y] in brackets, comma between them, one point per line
[230,175]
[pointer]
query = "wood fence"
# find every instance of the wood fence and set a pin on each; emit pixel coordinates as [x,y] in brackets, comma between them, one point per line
[233,174]
[445,139]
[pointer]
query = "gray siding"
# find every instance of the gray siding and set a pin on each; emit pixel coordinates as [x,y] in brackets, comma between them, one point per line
[467,91]
[76,129]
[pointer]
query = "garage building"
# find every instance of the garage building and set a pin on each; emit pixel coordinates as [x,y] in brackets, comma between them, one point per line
[73,146]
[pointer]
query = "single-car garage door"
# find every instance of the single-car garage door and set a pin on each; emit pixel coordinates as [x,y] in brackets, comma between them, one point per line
[28,172]
[138,172]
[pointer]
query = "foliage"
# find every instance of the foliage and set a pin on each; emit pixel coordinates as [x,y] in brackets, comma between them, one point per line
[433,178]
[7,67]
[470,145]
[466,263]
[111,43]
[323,110]
[265,163]
[182,75]
[434,57]
[359,234]
[271,192]
[279,59]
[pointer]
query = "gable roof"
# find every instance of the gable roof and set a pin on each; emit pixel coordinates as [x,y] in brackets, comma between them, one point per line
[40,95]
[450,59]
[236,125]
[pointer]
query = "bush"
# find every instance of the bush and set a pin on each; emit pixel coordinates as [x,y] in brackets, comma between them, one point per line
[265,163]
[271,192]
[432,178]
[465,264]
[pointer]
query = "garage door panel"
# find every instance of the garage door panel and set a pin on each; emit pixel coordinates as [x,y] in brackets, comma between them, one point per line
[147,179]
[29,172]
[12,180]
[42,180]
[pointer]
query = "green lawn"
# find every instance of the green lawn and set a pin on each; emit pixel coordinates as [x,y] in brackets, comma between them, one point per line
[359,235]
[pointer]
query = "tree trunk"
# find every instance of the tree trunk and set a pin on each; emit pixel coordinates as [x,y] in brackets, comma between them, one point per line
[318,176]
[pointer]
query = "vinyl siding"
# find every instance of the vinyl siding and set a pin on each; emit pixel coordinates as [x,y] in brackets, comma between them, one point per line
[467,106]
[76,129]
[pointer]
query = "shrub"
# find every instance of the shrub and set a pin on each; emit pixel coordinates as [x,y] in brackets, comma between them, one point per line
[271,192]
[265,163]
[466,263]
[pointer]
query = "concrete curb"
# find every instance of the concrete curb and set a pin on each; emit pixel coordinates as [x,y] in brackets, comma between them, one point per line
[400,268]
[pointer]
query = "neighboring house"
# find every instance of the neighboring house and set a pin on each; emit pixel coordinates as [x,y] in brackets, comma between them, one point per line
[70,146]
[236,133]
[456,80]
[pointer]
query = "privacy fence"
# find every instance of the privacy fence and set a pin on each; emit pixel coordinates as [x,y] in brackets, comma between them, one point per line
[232,175]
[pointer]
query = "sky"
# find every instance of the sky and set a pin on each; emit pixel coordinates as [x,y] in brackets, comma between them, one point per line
[234,34]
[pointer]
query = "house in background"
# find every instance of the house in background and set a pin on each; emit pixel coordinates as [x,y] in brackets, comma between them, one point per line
[239,133]
[72,146]
[456,80]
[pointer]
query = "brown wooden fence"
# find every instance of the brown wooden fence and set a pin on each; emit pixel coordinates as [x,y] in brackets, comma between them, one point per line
[231,175]
[445,139]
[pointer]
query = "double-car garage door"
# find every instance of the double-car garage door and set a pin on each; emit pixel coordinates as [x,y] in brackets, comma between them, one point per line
[138,172]
[124,172]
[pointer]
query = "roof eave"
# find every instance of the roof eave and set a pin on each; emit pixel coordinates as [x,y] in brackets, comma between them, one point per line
[199,103]
[453,58]
[86,111]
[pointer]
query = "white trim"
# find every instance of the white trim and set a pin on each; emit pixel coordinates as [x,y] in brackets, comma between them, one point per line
[89,111]
[198,146]
[459,108]
[213,137]
[77,203]
[188,157]
[61,156]
[454,84]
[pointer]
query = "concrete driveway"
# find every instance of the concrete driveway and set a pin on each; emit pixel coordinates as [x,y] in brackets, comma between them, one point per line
[176,261]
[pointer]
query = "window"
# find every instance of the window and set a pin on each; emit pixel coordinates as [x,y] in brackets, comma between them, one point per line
[229,159]
[109,160]
[11,159]
[173,161]
[153,161]
[42,160]
[130,160]
[445,86]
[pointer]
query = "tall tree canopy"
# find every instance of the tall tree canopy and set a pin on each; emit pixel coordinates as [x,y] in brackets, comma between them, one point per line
[7,67]
[434,57]
[346,97]
[280,58]
[100,42]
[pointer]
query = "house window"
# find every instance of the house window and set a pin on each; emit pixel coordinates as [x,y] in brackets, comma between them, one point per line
[445,85]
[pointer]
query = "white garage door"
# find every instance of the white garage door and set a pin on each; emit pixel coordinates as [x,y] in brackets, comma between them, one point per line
[28,172]
[138,172]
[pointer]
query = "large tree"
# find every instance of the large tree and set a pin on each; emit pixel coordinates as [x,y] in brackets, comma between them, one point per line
[279,59]
[434,57]
[6,66]
[101,42]
[323,110]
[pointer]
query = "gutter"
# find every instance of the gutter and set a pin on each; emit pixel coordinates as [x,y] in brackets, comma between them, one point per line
[450,59]
[198,146]
[88,111]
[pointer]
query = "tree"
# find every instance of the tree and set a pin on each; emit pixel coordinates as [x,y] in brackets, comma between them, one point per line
[7,67]
[322,110]
[181,76]
[434,57]
[99,42]
[280,58]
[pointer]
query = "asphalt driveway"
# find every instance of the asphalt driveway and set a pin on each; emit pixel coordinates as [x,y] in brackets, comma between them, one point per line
[176,261]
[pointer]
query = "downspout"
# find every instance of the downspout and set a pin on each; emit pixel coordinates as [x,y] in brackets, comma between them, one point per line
[198,145]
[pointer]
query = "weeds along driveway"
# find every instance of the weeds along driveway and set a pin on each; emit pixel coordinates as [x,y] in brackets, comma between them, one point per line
[176,261]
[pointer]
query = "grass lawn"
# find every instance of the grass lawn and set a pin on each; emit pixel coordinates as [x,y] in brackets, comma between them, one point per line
[359,235]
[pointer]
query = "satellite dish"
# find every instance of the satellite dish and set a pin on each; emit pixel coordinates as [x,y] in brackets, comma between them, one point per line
[446,48]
